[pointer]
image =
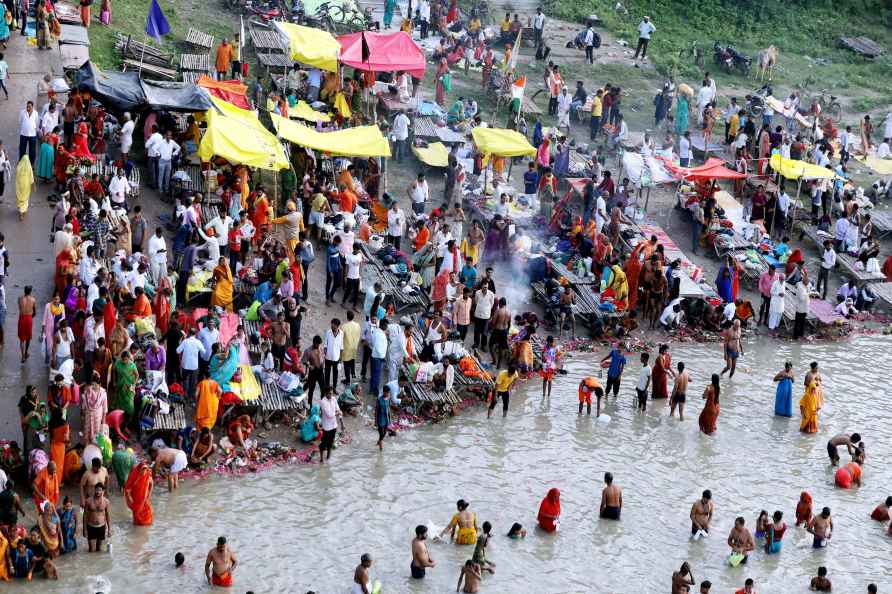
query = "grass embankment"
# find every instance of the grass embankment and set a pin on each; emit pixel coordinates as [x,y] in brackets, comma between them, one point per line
[804,32]
[129,18]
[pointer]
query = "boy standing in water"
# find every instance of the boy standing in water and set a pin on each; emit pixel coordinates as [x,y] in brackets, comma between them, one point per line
[643,382]
[470,573]
[504,381]
[679,391]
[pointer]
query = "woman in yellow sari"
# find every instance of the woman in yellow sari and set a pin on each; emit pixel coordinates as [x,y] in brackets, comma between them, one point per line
[809,408]
[620,285]
[466,524]
[222,295]
[4,554]
[24,183]
[50,529]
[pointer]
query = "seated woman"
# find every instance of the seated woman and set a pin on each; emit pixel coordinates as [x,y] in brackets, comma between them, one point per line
[239,430]
[349,400]
[203,449]
[311,427]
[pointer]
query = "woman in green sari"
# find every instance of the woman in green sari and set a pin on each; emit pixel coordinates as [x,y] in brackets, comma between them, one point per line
[124,378]
[681,115]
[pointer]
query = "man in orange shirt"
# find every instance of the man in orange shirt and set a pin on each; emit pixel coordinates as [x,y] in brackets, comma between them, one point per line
[223,60]
[347,199]
[46,485]
[422,237]
[260,214]
[142,308]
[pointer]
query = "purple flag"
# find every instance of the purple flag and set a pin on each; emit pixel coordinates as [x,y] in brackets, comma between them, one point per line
[156,23]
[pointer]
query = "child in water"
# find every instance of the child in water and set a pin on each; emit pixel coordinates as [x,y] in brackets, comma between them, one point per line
[179,560]
[68,521]
[517,531]
[762,524]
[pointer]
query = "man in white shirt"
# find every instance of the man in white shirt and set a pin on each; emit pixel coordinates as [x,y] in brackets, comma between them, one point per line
[783,205]
[50,119]
[136,278]
[400,136]
[483,302]
[396,221]
[221,226]
[645,30]
[538,26]
[378,343]
[354,262]
[828,262]
[333,345]
[842,228]
[152,146]
[590,44]
[330,413]
[93,292]
[424,15]
[63,239]
[643,381]
[88,267]
[126,136]
[883,151]
[157,255]
[167,150]
[94,329]
[118,190]
[684,150]
[600,211]
[419,192]
[28,124]
[672,315]
[190,349]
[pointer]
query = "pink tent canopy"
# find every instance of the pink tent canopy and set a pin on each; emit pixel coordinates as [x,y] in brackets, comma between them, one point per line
[713,169]
[388,52]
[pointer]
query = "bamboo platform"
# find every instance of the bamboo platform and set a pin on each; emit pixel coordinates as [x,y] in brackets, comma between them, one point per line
[199,38]
[376,271]
[172,421]
[274,60]
[252,327]
[273,399]
[883,292]
[847,262]
[150,70]
[426,394]
[137,51]
[266,40]
[199,62]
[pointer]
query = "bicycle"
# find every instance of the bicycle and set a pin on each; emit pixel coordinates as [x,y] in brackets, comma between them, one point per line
[828,104]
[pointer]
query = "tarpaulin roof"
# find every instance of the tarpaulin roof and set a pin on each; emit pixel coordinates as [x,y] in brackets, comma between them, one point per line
[313,47]
[713,169]
[361,141]
[502,143]
[435,154]
[388,52]
[117,91]
[793,169]
[305,112]
[238,136]
[232,91]
[175,96]
[881,166]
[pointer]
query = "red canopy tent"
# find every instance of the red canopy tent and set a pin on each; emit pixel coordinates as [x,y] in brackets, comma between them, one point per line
[713,169]
[387,52]
[231,91]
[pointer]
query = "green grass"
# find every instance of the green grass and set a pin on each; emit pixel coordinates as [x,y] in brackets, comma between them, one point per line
[805,32]
[129,18]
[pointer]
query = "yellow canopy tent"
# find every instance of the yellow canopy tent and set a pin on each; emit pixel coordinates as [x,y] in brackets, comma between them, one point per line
[793,169]
[502,143]
[238,136]
[305,112]
[436,154]
[362,141]
[881,166]
[313,47]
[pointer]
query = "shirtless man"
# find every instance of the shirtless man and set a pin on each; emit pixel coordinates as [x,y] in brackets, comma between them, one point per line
[679,392]
[27,311]
[682,579]
[822,528]
[223,562]
[97,475]
[97,522]
[361,576]
[170,459]
[565,310]
[850,441]
[733,348]
[421,558]
[741,539]
[701,513]
[498,335]
[471,575]
[611,499]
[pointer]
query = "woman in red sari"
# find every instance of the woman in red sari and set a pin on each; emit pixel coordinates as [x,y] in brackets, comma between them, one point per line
[661,370]
[138,494]
[452,15]
[550,511]
[442,71]
[632,270]
[710,413]
[64,267]
[161,309]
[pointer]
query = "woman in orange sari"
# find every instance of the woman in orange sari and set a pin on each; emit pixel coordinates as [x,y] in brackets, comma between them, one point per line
[222,295]
[138,494]
[632,270]
[64,266]
[161,308]
[550,511]
[808,406]
[710,413]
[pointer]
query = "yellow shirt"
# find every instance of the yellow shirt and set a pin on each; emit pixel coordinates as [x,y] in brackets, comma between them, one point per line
[733,125]
[506,26]
[474,25]
[596,107]
[351,331]
[504,381]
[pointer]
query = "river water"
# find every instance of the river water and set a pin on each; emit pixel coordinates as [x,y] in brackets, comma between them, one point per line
[301,528]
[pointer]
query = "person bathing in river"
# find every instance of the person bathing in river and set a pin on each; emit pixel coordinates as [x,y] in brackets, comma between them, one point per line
[821,526]
[171,460]
[471,575]
[881,512]
[611,499]
[465,523]
[741,540]
[421,558]
[679,391]
[850,441]
[701,513]
[587,386]
[733,347]
[550,511]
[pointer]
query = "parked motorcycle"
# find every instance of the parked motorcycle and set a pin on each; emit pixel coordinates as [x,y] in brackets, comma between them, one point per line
[578,42]
[755,102]
[729,59]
